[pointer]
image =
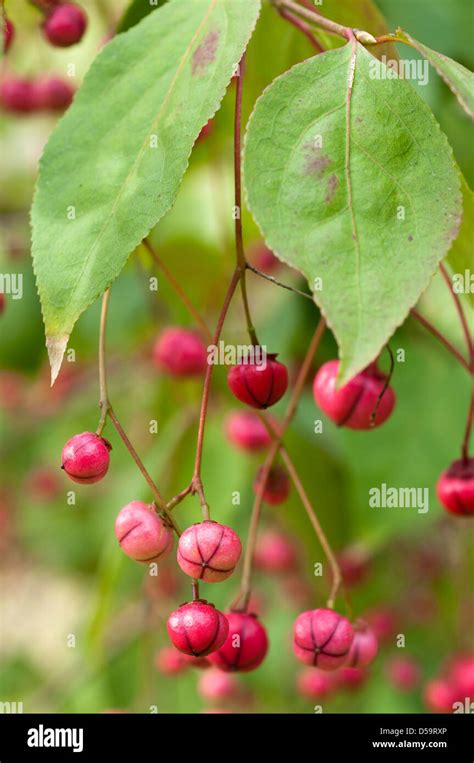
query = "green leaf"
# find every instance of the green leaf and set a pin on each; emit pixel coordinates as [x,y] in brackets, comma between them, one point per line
[334,210]
[136,11]
[460,257]
[114,164]
[459,79]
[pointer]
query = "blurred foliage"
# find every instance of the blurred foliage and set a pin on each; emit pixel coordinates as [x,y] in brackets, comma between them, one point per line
[61,570]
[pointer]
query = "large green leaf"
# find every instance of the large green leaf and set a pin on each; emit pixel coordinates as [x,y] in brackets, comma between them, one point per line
[113,166]
[332,210]
[461,254]
[459,79]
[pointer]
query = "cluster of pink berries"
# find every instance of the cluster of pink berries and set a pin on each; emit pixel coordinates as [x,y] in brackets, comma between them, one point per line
[20,95]
[456,684]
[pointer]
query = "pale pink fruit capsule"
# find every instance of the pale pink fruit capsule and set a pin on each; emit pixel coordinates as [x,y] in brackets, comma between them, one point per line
[364,646]
[246,645]
[85,457]
[197,628]
[351,678]
[180,353]
[322,638]
[403,672]
[142,534]
[455,488]
[209,551]
[170,662]
[216,685]
[440,696]
[275,552]
[313,683]
[245,430]
[462,675]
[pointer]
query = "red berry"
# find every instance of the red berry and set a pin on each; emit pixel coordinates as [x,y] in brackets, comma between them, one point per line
[258,385]
[43,483]
[170,662]
[351,678]
[315,684]
[354,565]
[65,25]
[440,696]
[275,552]
[364,647]
[455,488]
[209,551]
[216,685]
[277,487]
[18,95]
[180,353]
[322,638]
[197,628]
[246,645]
[54,93]
[86,457]
[245,430]
[354,404]
[263,258]
[403,672]
[8,34]
[142,534]
[462,675]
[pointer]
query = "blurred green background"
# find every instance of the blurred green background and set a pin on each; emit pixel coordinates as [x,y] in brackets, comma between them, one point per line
[62,573]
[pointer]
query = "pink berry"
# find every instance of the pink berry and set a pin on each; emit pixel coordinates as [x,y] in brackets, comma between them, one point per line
[258,385]
[315,684]
[216,685]
[354,404]
[209,551]
[455,488]
[54,94]
[18,95]
[277,486]
[8,34]
[86,458]
[197,628]
[354,565]
[246,645]
[263,258]
[142,534]
[364,647]
[351,678]
[206,131]
[245,430]
[403,672]
[439,696]
[181,353]
[170,662]
[322,638]
[462,675]
[383,623]
[43,483]
[65,24]
[275,553]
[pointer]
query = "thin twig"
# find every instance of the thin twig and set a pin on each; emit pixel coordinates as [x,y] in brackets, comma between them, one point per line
[304,28]
[279,283]
[461,313]
[441,338]
[178,289]
[468,430]
[330,26]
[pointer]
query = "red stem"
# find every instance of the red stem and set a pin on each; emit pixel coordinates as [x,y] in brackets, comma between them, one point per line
[304,28]
[462,316]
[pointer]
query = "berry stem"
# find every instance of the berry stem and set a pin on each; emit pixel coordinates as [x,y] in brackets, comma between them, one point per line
[243,597]
[330,26]
[441,338]
[239,244]
[178,289]
[279,283]
[468,431]
[462,316]
[107,410]
[195,589]
[299,24]
[196,482]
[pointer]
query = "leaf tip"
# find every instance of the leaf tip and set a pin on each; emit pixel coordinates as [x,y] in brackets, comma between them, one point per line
[56,346]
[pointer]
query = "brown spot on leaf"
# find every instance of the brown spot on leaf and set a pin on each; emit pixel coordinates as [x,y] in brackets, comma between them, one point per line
[315,161]
[205,53]
[331,188]
[410,237]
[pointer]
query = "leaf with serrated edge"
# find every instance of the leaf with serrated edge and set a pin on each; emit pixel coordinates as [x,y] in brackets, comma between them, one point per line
[332,211]
[116,159]
[459,79]
[461,254]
